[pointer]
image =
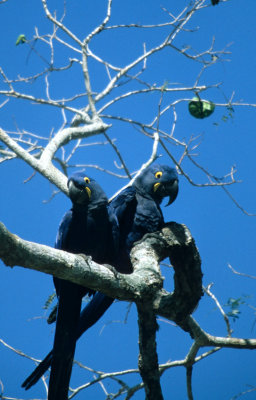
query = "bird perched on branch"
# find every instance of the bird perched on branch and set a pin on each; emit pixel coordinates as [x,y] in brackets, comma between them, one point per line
[137,209]
[88,228]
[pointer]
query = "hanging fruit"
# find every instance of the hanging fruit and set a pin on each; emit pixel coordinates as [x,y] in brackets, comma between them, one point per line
[200,108]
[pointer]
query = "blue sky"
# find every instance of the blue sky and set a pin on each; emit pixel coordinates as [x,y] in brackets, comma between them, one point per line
[222,232]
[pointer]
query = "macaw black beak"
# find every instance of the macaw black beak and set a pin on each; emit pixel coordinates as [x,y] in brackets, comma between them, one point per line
[78,194]
[172,191]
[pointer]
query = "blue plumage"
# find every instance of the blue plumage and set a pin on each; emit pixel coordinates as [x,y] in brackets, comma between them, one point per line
[136,210]
[89,228]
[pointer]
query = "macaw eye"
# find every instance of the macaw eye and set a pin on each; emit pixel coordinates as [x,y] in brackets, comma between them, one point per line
[158,174]
[87,180]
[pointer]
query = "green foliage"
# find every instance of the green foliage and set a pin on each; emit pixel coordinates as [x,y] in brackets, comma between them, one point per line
[234,307]
[53,315]
[229,115]
[165,85]
[21,39]
[49,301]
[48,304]
[200,108]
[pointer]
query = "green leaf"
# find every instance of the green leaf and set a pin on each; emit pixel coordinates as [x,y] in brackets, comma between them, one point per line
[165,84]
[234,314]
[53,315]
[200,108]
[21,39]
[234,306]
[49,301]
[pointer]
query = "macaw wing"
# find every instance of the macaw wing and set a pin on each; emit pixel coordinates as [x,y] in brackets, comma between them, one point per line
[114,238]
[61,238]
[124,207]
[123,202]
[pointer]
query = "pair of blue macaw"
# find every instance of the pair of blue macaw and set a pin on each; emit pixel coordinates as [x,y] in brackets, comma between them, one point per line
[106,232]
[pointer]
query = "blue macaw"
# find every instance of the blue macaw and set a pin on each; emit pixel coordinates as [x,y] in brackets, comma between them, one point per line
[137,209]
[88,228]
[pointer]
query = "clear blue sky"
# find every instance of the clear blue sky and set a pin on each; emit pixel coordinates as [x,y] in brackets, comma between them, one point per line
[222,232]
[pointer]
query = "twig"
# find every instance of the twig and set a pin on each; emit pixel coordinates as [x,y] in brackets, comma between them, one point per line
[19,352]
[210,294]
[240,273]
[119,155]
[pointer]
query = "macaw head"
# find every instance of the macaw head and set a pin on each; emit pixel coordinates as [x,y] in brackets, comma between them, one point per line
[85,190]
[158,181]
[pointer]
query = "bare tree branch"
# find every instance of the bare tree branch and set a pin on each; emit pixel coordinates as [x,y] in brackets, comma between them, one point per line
[210,294]
[241,273]
[205,339]
[59,24]
[148,359]
[144,283]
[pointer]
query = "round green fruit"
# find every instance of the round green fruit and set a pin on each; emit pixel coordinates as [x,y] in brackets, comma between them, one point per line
[200,108]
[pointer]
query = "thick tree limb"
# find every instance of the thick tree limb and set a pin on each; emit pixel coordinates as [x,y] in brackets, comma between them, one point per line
[76,268]
[44,165]
[186,262]
[148,358]
[144,284]
[66,135]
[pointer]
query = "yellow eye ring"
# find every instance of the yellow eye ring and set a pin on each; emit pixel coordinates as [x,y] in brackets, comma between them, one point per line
[158,174]
[87,180]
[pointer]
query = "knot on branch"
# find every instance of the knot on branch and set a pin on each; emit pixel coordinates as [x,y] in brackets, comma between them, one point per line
[177,244]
